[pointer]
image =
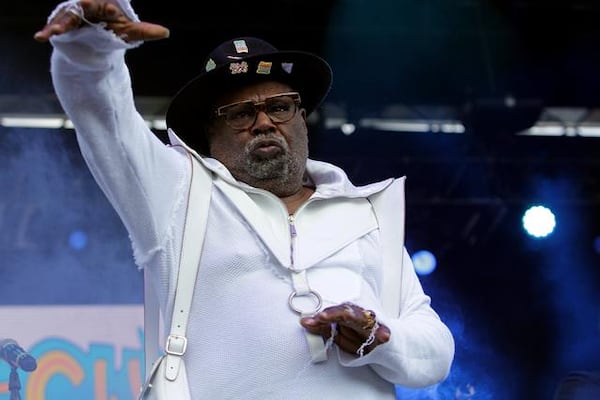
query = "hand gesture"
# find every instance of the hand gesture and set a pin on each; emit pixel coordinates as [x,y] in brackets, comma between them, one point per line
[357,330]
[73,16]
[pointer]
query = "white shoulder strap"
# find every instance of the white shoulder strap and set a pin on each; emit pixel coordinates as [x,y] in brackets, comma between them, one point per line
[151,324]
[389,207]
[193,239]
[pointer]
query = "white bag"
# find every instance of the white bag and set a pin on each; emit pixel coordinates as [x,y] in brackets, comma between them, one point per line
[159,387]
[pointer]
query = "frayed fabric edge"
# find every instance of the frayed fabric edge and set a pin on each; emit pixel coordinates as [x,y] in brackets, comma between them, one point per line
[142,259]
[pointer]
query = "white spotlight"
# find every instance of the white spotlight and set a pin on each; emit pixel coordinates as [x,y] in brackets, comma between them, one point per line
[539,221]
[348,128]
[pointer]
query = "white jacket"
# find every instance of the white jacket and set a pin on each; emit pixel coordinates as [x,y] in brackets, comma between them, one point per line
[244,340]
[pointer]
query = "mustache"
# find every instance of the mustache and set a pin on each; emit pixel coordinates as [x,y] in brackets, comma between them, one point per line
[266,140]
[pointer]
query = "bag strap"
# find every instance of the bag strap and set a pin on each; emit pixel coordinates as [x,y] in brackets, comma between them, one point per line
[389,208]
[193,239]
[151,325]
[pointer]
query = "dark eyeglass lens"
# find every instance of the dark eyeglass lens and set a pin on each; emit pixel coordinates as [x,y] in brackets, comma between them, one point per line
[240,114]
[243,115]
[280,109]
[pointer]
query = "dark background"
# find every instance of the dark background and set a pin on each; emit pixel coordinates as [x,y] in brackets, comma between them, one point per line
[524,312]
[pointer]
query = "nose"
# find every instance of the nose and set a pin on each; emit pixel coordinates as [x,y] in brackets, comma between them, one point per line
[263,124]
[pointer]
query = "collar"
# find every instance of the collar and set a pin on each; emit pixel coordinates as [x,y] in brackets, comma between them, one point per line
[330,181]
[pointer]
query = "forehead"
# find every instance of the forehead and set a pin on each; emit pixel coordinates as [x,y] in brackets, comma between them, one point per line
[255,91]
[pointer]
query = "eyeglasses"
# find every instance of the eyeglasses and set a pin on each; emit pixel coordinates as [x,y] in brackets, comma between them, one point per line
[242,115]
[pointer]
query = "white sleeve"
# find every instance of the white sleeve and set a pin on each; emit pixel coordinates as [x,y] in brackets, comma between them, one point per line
[141,177]
[421,347]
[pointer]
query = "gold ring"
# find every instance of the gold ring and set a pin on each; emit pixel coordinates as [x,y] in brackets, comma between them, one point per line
[370,320]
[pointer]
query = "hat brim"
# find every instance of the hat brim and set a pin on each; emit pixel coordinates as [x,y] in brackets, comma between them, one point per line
[189,109]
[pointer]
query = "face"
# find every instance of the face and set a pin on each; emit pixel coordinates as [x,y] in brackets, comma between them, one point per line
[267,155]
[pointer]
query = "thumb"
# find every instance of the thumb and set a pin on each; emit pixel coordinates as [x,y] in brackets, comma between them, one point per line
[144,31]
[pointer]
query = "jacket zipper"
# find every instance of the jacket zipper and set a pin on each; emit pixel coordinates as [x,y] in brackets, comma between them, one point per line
[293,235]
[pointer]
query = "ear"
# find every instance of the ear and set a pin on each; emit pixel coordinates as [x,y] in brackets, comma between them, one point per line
[303,115]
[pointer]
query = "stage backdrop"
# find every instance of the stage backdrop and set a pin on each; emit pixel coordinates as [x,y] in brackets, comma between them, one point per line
[87,352]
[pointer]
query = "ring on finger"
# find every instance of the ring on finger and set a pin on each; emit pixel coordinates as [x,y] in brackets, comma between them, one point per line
[370,320]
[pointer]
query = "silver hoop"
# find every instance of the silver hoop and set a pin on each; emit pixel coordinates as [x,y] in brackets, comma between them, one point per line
[316,295]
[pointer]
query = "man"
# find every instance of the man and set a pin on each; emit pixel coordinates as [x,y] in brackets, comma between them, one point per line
[278,222]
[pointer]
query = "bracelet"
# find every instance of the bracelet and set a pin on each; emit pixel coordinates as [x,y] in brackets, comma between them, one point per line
[370,340]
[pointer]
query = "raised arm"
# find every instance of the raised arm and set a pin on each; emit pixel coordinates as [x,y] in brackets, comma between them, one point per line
[139,174]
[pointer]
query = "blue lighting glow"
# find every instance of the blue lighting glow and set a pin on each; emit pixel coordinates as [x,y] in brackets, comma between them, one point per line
[78,240]
[424,262]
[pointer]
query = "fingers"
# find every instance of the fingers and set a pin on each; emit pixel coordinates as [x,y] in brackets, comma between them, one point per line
[352,341]
[94,11]
[140,31]
[344,314]
[101,10]
[317,327]
[349,340]
[65,20]
[355,326]
[382,334]
[348,314]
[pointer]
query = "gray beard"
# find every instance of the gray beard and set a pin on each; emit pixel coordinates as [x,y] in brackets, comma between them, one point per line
[281,174]
[270,168]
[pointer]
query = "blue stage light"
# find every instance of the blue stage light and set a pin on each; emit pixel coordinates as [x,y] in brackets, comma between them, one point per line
[424,262]
[78,240]
[539,221]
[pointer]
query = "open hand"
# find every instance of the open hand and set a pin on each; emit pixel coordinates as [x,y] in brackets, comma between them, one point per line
[355,325]
[73,16]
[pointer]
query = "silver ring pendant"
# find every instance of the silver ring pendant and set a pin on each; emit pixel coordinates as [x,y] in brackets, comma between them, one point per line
[312,293]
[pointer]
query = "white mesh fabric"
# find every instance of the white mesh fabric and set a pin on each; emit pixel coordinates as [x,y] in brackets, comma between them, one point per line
[244,341]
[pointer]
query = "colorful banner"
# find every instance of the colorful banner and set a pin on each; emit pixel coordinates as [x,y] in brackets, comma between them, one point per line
[91,352]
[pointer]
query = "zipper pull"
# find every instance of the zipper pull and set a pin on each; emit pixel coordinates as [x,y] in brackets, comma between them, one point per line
[292,226]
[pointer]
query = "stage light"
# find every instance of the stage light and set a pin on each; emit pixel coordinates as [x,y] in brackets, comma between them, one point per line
[424,262]
[348,128]
[32,122]
[395,125]
[539,221]
[160,124]
[78,240]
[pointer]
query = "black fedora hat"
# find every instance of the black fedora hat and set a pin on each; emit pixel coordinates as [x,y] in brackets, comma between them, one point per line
[239,62]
